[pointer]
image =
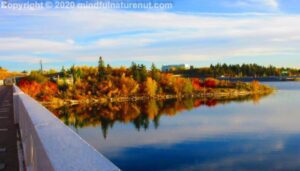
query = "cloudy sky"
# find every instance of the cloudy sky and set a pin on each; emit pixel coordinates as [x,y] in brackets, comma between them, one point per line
[198,32]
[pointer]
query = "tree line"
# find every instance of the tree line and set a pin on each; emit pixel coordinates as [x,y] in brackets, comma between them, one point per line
[244,70]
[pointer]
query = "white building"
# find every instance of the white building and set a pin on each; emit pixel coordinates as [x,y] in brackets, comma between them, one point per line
[166,68]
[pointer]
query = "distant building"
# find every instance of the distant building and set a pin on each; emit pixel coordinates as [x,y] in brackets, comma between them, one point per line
[166,68]
[285,73]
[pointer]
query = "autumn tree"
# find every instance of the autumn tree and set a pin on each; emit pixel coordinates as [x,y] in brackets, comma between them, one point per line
[48,91]
[109,70]
[188,87]
[3,73]
[76,74]
[128,85]
[32,88]
[197,85]
[182,86]
[150,87]
[167,83]
[6,74]
[51,71]
[210,83]
[255,85]
[37,77]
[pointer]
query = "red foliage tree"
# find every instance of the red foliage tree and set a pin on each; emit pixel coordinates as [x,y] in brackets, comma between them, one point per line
[31,88]
[196,82]
[210,83]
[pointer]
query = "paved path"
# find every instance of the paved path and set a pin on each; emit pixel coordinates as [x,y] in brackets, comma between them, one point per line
[8,132]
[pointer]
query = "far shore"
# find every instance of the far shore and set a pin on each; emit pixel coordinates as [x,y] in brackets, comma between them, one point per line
[260,79]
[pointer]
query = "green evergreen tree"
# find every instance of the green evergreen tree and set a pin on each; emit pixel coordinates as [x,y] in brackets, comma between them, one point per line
[154,72]
[143,73]
[101,69]
[135,72]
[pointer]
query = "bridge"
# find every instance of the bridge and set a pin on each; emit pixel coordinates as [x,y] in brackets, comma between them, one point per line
[33,139]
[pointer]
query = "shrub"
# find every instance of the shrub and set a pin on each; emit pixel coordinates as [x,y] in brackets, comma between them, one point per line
[211,83]
[37,77]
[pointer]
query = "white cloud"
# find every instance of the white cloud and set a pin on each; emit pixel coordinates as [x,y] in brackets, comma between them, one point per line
[257,4]
[26,59]
[272,3]
[124,41]
[70,41]
[11,44]
[124,35]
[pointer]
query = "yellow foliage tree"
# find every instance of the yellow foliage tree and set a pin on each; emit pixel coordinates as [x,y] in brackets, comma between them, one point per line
[150,87]
[128,85]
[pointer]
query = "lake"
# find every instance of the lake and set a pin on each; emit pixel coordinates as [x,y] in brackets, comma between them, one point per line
[256,133]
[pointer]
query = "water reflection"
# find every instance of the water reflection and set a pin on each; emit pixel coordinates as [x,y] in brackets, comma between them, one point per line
[247,134]
[141,114]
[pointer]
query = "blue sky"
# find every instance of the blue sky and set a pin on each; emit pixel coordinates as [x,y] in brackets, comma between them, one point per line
[198,32]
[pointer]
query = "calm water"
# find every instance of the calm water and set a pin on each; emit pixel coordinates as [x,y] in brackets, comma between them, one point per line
[251,134]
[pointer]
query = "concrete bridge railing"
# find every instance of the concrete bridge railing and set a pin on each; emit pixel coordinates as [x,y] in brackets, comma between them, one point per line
[49,145]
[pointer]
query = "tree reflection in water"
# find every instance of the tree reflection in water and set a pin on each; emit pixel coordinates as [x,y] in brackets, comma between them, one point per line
[140,113]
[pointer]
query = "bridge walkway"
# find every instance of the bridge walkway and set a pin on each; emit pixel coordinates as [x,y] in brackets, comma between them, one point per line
[8,132]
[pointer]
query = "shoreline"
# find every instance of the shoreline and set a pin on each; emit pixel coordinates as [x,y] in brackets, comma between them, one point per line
[230,94]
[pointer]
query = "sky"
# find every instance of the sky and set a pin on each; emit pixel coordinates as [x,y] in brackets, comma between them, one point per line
[196,32]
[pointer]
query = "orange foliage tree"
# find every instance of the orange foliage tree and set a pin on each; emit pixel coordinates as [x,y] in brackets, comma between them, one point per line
[197,85]
[255,85]
[128,86]
[5,74]
[48,90]
[31,88]
[37,90]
